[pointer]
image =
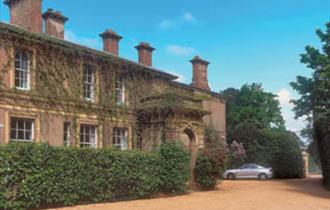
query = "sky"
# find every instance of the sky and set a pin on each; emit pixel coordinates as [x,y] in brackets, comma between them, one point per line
[245,40]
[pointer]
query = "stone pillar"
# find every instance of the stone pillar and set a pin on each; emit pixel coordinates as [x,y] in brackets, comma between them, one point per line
[305,158]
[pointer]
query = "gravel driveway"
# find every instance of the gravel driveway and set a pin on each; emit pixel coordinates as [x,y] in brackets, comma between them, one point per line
[304,194]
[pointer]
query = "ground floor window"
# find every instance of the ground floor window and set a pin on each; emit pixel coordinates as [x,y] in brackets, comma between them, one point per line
[21,129]
[120,138]
[88,135]
[66,134]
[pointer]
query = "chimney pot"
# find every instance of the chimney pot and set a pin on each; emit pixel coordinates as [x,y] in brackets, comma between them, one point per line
[111,41]
[145,53]
[54,23]
[26,14]
[200,73]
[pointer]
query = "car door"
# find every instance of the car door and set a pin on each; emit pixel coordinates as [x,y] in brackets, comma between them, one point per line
[244,171]
[254,171]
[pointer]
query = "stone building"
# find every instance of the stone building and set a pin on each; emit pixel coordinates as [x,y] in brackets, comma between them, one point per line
[64,94]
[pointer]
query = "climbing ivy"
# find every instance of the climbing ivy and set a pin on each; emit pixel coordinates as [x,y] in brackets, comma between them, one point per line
[56,76]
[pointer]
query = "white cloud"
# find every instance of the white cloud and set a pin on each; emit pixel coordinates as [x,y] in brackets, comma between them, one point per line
[188,17]
[95,43]
[179,50]
[284,96]
[166,24]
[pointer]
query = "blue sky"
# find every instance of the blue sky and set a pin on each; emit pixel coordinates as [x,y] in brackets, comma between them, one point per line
[245,40]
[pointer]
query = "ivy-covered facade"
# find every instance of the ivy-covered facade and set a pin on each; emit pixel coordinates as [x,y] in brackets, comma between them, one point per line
[64,94]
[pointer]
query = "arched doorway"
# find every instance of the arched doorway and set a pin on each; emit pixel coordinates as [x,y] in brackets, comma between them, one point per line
[191,143]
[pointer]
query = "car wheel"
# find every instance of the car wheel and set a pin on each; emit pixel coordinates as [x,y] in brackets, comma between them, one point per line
[231,176]
[263,176]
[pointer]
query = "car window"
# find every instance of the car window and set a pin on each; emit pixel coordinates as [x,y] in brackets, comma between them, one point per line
[254,166]
[245,166]
[251,166]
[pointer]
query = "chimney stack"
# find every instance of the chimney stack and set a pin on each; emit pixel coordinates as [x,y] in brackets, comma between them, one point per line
[26,14]
[145,53]
[200,73]
[111,41]
[54,23]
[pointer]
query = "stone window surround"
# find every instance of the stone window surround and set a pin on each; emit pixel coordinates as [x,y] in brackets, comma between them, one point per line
[120,134]
[90,131]
[91,122]
[128,126]
[90,85]
[120,90]
[36,125]
[32,66]
[67,132]
[25,71]
[27,130]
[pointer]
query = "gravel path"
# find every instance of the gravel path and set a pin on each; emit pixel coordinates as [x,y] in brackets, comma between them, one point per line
[304,194]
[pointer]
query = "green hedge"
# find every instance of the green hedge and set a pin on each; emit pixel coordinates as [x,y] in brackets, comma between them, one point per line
[206,172]
[287,161]
[32,175]
[174,171]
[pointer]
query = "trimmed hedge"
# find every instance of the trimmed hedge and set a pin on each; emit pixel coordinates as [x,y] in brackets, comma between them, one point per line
[32,174]
[174,170]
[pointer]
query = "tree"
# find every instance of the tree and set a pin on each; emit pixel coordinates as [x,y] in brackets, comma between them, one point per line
[250,110]
[314,103]
[251,104]
[254,119]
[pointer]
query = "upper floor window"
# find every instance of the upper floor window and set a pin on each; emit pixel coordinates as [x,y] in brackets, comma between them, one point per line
[66,134]
[22,70]
[120,91]
[89,83]
[88,135]
[120,138]
[21,129]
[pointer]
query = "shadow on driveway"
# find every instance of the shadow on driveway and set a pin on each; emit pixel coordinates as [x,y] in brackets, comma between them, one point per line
[311,185]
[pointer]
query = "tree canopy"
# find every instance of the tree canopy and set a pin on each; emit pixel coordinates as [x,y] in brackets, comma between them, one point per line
[254,119]
[314,102]
[251,104]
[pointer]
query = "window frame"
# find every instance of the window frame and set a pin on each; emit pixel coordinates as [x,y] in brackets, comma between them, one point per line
[22,70]
[89,87]
[66,134]
[24,130]
[118,135]
[120,90]
[82,132]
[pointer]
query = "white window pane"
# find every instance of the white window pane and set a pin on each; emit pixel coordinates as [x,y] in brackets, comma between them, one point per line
[88,82]
[22,70]
[88,136]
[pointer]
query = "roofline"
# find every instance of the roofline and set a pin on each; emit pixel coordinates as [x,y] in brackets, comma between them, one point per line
[170,77]
[182,85]
[65,43]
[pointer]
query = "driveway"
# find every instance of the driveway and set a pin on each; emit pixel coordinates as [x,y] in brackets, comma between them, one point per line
[295,194]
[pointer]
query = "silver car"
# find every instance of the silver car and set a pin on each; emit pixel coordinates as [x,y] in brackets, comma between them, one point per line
[252,171]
